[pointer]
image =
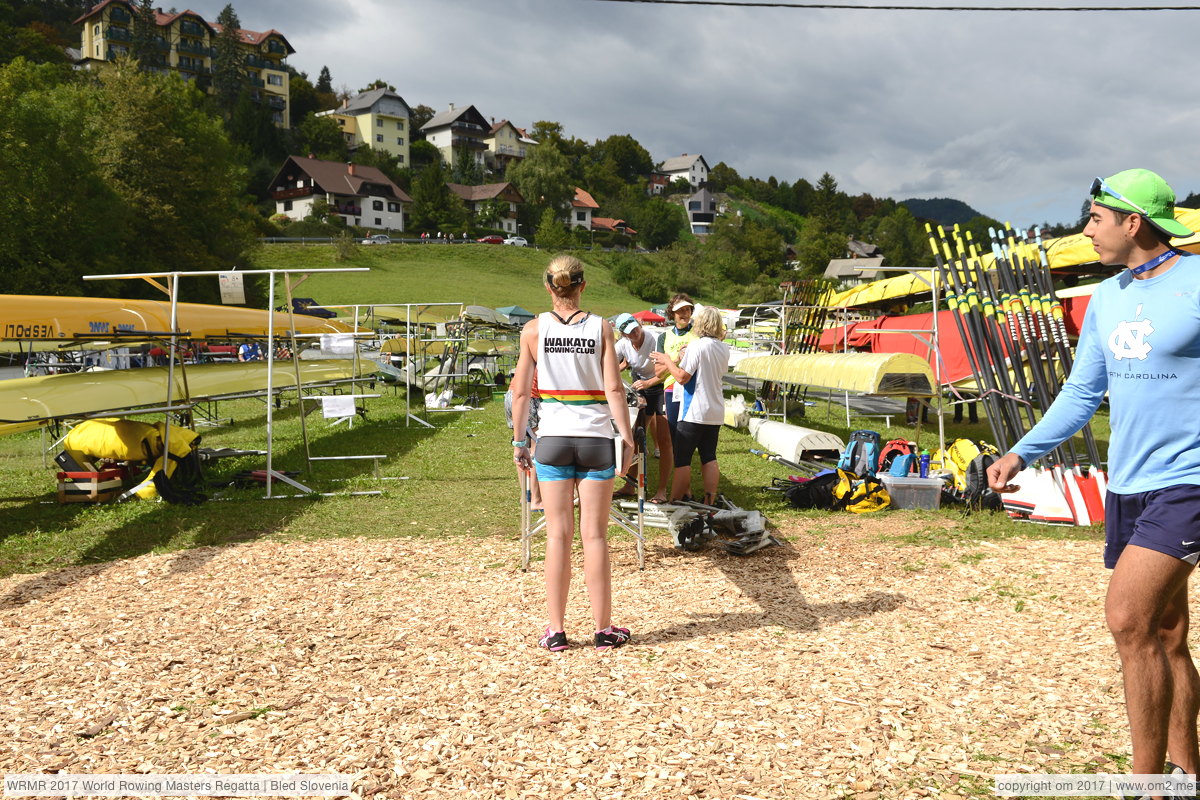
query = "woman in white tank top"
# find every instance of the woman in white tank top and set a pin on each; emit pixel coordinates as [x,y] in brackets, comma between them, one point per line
[582,396]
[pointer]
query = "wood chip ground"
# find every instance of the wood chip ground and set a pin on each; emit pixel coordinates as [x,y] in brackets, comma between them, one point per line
[837,666]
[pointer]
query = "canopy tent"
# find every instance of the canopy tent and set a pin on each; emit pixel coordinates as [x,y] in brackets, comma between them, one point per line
[80,394]
[515,314]
[899,374]
[46,318]
[648,317]
[482,315]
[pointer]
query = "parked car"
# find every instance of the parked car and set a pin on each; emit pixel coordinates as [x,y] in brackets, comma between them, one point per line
[378,238]
[491,238]
[519,241]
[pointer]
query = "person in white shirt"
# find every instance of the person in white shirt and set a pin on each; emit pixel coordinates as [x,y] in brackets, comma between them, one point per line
[582,398]
[633,353]
[700,371]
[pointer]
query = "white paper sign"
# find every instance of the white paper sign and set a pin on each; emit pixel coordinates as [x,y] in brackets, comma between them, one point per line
[337,343]
[337,406]
[233,292]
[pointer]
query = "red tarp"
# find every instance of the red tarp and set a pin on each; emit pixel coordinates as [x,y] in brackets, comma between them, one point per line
[867,336]
[649,317]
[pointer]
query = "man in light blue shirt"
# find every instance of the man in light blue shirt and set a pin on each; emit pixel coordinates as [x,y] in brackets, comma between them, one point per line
[1140,344]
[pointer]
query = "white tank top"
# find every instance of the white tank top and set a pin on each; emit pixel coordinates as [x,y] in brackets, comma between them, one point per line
[571,377]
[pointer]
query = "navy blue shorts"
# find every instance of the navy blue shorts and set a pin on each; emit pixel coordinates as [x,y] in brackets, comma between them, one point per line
[691,437]
[655,397]
[1165,520]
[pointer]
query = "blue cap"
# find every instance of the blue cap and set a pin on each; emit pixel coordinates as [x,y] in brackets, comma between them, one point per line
[626,323]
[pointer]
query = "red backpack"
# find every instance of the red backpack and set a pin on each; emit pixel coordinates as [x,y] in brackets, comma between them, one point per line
[896,447]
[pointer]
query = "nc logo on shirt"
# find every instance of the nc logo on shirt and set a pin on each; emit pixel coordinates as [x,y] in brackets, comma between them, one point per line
[1128,339]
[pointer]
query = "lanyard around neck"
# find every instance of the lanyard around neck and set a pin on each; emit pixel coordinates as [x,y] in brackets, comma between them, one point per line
[1155,262]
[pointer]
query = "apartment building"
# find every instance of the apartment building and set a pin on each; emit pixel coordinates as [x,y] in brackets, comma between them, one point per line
[185,44]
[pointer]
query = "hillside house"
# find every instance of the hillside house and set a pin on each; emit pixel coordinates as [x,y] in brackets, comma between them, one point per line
[693,168]
[457,132]
[362,196]
[379,119]
[506,145]
[583,206]
[185,44]
[491,203]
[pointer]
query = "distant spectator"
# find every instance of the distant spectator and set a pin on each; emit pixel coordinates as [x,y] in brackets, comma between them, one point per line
[250,351]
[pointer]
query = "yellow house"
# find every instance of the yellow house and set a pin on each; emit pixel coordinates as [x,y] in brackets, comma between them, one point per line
[184,44]
[507,144]
[379,119]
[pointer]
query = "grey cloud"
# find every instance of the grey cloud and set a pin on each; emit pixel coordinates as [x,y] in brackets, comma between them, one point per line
[1012,113]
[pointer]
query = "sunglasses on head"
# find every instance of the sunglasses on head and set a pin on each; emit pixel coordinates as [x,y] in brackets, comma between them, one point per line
[1100,187]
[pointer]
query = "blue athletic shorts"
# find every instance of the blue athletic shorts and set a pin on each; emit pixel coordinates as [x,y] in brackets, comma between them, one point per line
[1165,520]
[564,458]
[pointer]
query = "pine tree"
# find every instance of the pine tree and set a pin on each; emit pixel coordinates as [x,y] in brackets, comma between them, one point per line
[229,62]
[325,81]
[145,31]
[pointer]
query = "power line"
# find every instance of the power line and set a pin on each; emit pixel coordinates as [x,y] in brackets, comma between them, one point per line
[847,7]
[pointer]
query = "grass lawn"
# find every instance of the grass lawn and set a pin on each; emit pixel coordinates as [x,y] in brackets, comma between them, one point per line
[455,480]
[474,274]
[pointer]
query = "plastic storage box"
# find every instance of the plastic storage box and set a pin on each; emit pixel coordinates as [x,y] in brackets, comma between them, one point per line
[913,492]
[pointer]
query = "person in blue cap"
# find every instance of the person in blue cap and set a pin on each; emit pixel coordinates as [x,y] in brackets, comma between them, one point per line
[633,353]
[1140,346]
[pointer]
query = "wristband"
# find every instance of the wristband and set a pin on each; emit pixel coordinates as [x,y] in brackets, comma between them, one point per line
[522,443]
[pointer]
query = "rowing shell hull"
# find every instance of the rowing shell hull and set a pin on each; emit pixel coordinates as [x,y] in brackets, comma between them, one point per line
[44,318]
[895,374]
[81,394]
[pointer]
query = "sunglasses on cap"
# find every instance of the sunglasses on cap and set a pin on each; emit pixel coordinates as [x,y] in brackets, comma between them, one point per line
[1100,187]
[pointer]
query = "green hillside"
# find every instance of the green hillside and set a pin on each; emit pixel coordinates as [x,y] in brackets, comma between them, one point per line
[475,274]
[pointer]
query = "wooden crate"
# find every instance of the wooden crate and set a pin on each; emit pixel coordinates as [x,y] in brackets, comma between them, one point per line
[90,487]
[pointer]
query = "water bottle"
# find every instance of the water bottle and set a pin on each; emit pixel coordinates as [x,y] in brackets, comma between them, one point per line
[924,464]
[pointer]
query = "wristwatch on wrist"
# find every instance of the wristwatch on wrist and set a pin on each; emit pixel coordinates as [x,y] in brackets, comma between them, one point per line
[522,443]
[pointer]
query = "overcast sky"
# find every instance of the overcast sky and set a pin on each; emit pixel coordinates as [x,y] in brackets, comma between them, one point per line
[1013,113]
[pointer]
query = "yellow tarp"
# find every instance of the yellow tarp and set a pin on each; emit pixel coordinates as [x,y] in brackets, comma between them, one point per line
[900,374]
[85,393]
[42,318]
[1067,251]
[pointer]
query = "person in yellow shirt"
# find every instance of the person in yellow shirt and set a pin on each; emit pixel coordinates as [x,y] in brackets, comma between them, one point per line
[679,314]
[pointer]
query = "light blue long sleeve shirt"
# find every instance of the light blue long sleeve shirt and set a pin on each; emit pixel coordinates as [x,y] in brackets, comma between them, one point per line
[1140,343]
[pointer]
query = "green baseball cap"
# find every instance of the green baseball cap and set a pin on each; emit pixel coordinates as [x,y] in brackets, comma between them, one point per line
[1140,191]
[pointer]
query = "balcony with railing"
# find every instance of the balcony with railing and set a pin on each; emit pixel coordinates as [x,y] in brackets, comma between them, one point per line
[468,127]
[194,47]
[191,28]
[276,48]
[293,192]
[258,62]
[276,102]
[470,144]
[118,34]
[118,14]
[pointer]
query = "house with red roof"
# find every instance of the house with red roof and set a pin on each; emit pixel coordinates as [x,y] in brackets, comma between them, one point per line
[184,44]
[582,208]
